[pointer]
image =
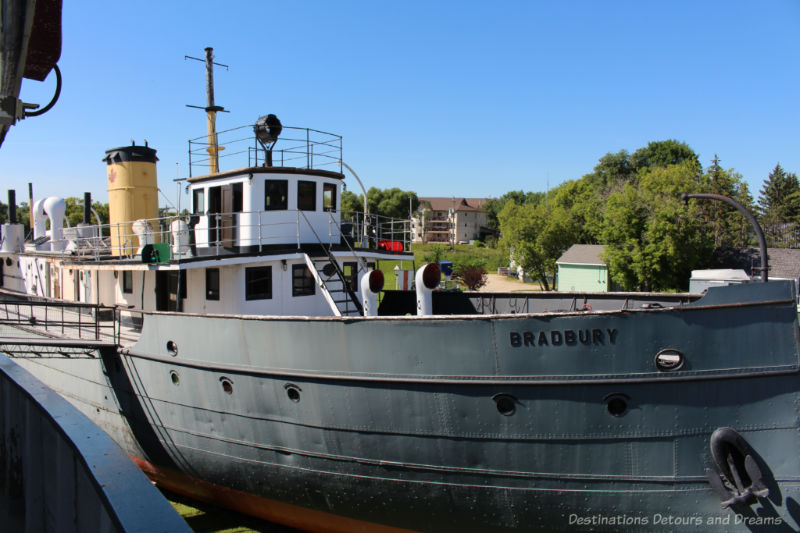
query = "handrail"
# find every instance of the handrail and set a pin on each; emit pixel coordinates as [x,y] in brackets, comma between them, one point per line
[38,315]
[303,145]
[253,228]
[321,284]
[345,286]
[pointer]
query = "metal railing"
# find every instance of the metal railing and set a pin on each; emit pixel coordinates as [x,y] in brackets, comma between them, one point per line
[240,229]
[296,147]
[70,319]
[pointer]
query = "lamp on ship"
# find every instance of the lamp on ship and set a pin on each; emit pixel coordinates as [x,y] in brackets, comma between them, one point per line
[267,129]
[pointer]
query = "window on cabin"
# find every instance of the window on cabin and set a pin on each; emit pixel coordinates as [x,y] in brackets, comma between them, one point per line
[350,270]
[258,283]
[302,281]
[198,201]
[183,274]
[276,195]
[238,197]
[329,197]
[306,196]
[127,282]
[212,284]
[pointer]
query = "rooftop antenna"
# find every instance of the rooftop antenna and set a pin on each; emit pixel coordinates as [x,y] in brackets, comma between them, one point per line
[211,110]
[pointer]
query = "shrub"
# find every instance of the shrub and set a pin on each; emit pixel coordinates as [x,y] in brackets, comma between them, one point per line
[474,277]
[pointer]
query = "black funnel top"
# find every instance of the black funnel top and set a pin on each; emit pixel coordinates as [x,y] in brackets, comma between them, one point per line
[130,153]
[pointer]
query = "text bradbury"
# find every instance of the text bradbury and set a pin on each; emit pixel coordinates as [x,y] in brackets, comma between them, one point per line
[567,337]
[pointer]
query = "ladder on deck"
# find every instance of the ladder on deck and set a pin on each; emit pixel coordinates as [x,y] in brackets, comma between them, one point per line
[334,285]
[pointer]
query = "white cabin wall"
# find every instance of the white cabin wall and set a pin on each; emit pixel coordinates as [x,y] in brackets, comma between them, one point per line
[87,291]
[134,298]
[35,276]
[233,293]
[107,294]
[68,274]
[274,227]
[12,274]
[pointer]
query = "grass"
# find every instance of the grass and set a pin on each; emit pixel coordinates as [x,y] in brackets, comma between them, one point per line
[206,518]
[492,257]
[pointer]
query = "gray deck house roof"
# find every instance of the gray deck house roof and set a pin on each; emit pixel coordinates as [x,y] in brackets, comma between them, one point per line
[784,263]
[582,254]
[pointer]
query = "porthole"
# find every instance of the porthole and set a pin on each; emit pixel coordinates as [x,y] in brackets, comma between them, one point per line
[292,392]
[227,385]
[617,403]
[172,348]
[506,404]
[669,360]
[8,261]
[176,380]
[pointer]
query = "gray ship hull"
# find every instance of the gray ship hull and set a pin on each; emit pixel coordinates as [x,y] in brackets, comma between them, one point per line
[466,423]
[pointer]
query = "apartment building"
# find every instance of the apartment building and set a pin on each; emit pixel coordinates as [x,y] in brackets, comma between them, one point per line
[449,220]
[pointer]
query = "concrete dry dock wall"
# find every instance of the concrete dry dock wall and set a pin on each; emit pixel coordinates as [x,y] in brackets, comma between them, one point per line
[59,472]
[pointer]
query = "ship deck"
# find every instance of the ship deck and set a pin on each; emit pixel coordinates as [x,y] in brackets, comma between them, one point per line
[61,327]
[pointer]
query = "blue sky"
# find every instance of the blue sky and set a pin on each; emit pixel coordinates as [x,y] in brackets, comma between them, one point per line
[442,98]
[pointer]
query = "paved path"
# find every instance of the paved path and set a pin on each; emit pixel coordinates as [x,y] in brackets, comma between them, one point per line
[497,283]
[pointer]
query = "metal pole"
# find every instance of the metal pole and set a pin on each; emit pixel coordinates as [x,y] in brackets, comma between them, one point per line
[211,114]
[762,243]
[353,172]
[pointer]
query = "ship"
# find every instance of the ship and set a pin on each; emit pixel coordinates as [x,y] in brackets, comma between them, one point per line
[245,351]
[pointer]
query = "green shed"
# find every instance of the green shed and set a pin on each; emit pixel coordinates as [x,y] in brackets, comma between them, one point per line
[581,269]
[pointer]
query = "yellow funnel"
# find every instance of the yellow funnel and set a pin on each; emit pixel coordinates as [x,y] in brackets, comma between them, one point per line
[132,194]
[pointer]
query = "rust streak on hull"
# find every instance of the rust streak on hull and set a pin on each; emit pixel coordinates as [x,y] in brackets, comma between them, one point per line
[263,508]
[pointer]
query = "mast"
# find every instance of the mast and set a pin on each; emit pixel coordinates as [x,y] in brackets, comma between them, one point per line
[211,114]
[211,111]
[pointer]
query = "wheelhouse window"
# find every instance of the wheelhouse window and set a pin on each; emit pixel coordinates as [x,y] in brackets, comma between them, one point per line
[127,282]
[212,284]
[238,197]
[198,201]
[276,195]
[329,197]
[302,281]
[258,283]
[306,196]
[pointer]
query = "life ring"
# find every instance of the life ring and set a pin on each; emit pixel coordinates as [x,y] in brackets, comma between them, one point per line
[587,308]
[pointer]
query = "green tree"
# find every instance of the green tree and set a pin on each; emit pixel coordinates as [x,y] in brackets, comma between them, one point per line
[393,203]
[610,170]
[653,240]
[780,197]
[74,211]
[435,254]
[584,204]
[352,202]
[663,154]
[728,226]
[495,205]
[536,236]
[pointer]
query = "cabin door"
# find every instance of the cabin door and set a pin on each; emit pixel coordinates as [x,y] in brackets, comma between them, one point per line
[56,282]
[214,208]
[167,283]
[228,219]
